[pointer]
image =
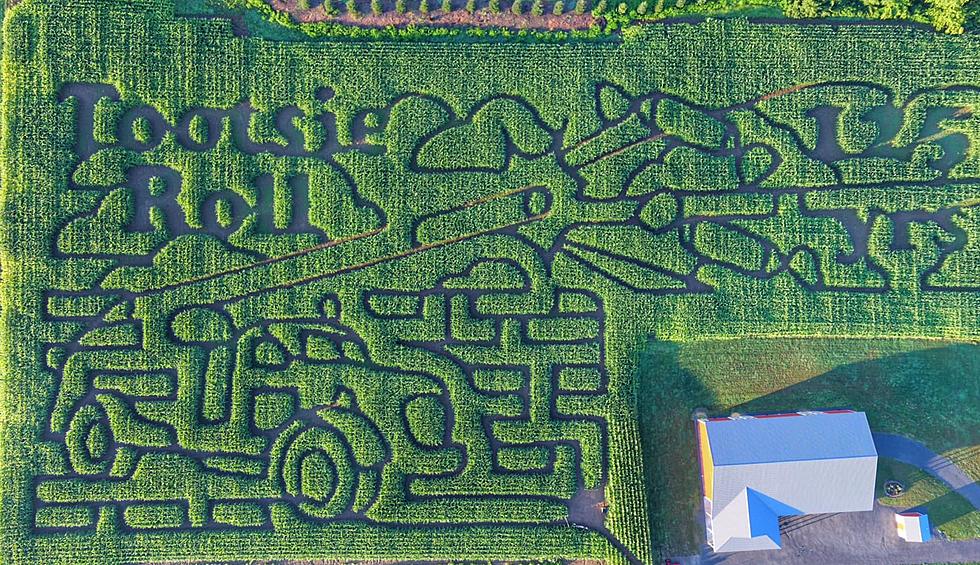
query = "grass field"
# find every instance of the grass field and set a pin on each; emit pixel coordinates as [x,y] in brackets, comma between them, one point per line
[924,389]
[270,299]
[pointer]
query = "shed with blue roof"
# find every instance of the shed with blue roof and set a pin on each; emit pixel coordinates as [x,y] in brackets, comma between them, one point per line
[913,526]
[755,469]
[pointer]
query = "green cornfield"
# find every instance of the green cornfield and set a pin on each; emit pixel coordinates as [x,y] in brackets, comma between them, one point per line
[384,300]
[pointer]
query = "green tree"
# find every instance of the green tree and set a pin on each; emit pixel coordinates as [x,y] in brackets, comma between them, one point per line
[642,8]
[376,7]
[972,10]
[537,8]
[447,6]
[494,6]
[601,8]
[352,9]
[805,8]
[400,6]
[517,8]
[622,8]
[424,7]
[948,16]
[558,9]
[470,6]
[581,6]
[888,9]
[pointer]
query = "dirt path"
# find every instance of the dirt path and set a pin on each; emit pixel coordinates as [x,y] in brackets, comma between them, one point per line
[868,538]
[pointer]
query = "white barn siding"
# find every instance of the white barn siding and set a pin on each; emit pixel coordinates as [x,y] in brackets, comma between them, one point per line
[812,487]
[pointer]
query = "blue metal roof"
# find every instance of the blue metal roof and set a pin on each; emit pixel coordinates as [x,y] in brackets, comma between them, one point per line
[813,436]
[764,513]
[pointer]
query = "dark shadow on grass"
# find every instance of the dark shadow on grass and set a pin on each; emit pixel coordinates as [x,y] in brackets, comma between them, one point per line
[667,395]
[932,395]
[944,509]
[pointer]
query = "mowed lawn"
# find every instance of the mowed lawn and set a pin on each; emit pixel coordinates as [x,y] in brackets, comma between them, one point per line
[953,514]
[925,389]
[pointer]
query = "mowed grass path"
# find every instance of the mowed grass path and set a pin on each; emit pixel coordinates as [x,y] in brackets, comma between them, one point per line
[928,390]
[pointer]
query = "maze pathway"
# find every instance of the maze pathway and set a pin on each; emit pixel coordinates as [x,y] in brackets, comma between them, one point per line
[315,299]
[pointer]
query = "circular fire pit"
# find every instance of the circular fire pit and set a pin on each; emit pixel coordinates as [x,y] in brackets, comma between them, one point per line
[894,489]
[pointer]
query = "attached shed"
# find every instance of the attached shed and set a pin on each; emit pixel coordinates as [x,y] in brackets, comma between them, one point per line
[755,469]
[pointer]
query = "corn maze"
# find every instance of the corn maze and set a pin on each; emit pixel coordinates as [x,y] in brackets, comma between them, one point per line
[299,300]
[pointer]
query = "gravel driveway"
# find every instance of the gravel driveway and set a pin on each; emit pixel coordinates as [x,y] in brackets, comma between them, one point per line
[848,538]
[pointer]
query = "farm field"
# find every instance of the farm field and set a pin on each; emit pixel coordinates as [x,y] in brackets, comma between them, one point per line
[313,299]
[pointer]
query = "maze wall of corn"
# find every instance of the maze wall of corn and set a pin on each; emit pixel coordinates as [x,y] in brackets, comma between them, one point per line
[370,300]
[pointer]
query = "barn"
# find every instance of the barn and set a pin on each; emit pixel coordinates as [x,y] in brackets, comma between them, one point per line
[755,469]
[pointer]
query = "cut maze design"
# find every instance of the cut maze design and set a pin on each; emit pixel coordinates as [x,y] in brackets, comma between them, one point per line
[699,188]
[263,330]
[285,305]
